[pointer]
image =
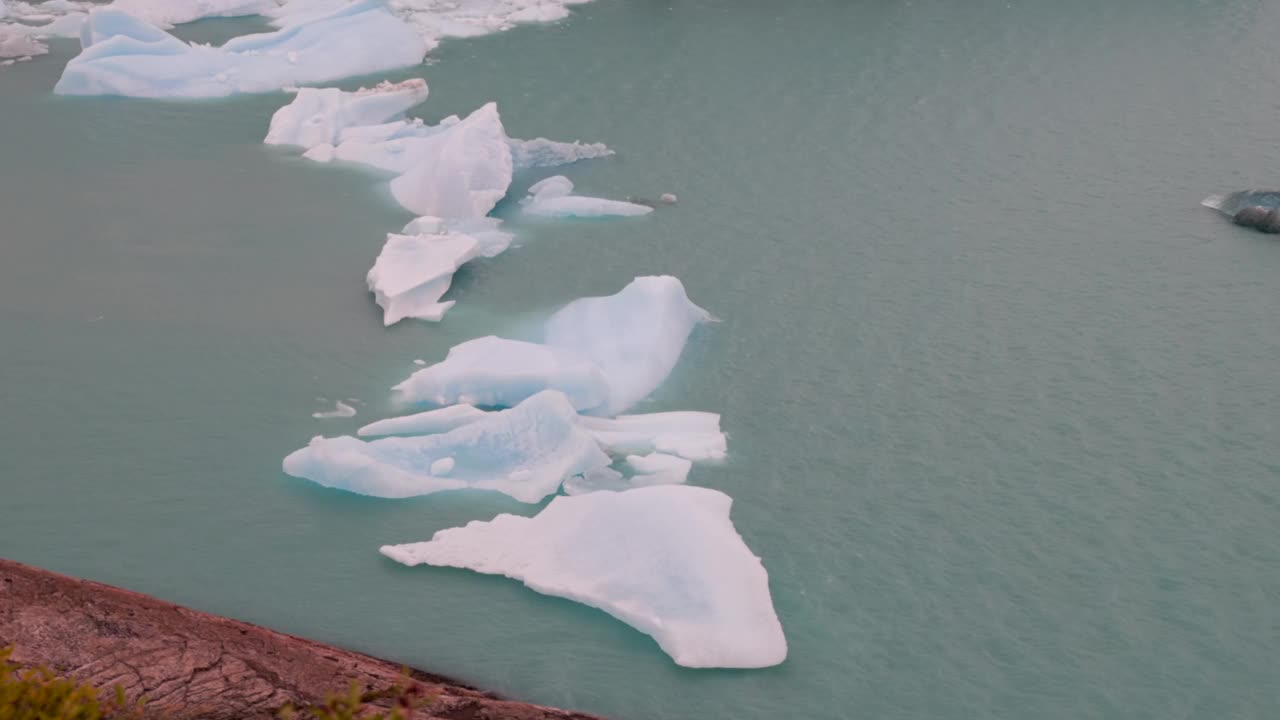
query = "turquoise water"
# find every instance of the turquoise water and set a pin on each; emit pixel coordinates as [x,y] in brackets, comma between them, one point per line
[1002,398]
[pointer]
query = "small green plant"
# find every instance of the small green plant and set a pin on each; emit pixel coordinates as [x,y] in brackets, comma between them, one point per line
[39,694]
[355,705]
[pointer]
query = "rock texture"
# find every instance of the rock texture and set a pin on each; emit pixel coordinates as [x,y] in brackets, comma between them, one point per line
[189,664]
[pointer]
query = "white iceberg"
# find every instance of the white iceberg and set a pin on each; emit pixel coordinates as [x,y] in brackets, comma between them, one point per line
[461,172]
[321,116]
[605,353]
[436,20]
[689,434]
[123,55]
[525,452]
[167,13]
[413,272]
[497,372]
[551,198]
[458,168]
[425,423]
[665,560]
[16,41]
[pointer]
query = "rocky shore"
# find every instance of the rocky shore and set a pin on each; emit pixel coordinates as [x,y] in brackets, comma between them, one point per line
[189,664]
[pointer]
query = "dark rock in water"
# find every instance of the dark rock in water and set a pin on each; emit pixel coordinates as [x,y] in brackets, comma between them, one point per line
[1266,220]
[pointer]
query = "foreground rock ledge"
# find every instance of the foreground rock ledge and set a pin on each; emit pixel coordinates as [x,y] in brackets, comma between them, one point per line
[190,664]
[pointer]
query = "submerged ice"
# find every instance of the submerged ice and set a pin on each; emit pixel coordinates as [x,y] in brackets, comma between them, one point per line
[525,452]
[124,55]
[665,560]
[604,353]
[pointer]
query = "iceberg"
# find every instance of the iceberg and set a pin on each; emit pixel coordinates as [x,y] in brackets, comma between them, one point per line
[435,20]
[665,560]
[552,198]
[497,372]
[425,423]
[461,172]
[414,271]
[123,55]
[525,452]
[167,13]
[604,353]
[458,168]
[688,434]
[321,116]
[17,42]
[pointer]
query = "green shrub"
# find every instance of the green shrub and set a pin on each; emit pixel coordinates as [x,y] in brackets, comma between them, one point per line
[354,705]
[39,694]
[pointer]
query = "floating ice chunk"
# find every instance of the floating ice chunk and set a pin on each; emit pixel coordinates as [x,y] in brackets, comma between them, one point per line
[665,560]
[669,198]
[167,13]
[413,272]
[16,41]
[419,362]
[125,56]
[691,435]
[321,115]
[458,168]
[541,152]
[342,410]
[659,469]
[551,198]
[461,172]
[604,353]
[635,337]
[525,452]
[497,372]
[442,467]
[425,423]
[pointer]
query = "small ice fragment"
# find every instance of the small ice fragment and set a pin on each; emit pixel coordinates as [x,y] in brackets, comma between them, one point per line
[668,198]
[442,467]
[342,410]
[419,362]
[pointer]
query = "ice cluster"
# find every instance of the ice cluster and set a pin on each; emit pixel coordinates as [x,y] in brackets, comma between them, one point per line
[457,169]
[665,560]
[525,452]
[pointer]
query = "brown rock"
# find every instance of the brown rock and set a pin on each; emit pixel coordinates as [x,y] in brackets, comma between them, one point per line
[189,664]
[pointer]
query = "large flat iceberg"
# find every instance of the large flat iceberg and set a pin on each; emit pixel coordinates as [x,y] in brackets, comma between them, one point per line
[605,353]
[665,560]
[525,452]
[123,55]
